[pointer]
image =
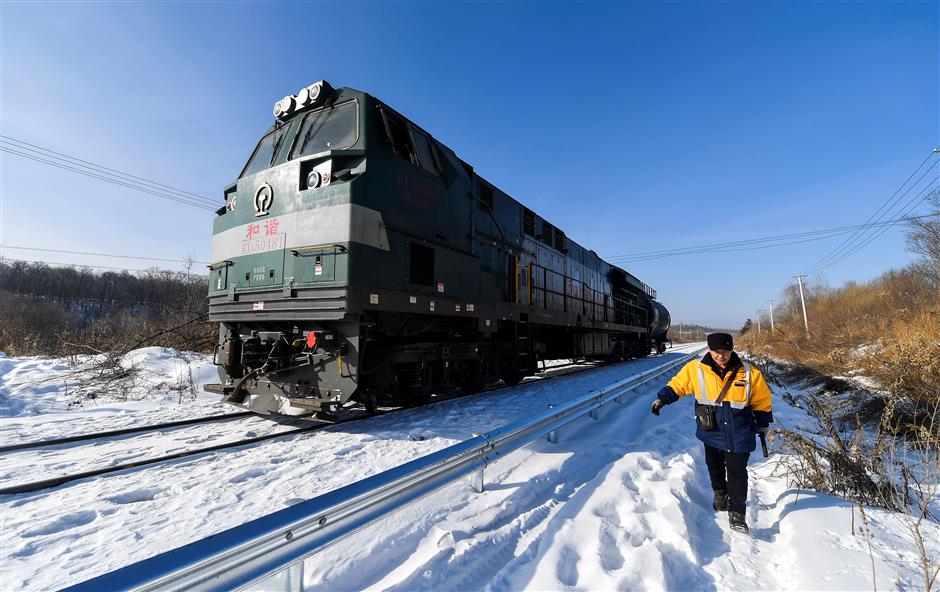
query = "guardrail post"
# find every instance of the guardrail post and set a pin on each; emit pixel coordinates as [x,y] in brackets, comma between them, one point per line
[552,436]
[290,579]
[476,480]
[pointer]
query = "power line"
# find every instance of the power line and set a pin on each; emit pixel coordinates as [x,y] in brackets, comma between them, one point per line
[858,240]
[876,225]
[101,254]
[109,180]
[750,244]
[37,148]
[94,173]
[78,266]
[909,207]
[896,196]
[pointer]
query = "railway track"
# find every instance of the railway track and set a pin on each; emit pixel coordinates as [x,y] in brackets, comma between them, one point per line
[122,432]
[63,479]
[355,415]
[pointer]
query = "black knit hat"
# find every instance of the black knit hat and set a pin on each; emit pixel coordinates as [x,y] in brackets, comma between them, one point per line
[720,341]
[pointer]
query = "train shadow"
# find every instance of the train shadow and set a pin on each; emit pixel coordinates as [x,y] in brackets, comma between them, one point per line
[456,419]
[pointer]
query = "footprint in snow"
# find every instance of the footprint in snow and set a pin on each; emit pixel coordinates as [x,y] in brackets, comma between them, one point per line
[66,522]
[138,495]
[628,484]
[608,513]
[644,464]
[611,557]
[567,569]
[350,449]
[246,476]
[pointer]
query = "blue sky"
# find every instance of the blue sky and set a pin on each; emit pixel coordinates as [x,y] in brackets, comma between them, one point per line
[632,126]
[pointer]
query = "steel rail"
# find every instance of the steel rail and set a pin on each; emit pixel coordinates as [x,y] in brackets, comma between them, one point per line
[63,479]
[276,544]
[122,432]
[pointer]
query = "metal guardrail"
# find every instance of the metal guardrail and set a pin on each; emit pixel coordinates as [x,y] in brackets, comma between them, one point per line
[276,545]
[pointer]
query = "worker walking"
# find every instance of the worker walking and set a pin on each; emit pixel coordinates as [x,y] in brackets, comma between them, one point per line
[732,405]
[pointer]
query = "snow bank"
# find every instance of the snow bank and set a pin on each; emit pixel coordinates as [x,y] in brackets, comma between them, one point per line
[146,378]
[622,502]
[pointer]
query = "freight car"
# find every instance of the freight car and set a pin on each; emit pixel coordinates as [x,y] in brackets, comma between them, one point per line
[356,258]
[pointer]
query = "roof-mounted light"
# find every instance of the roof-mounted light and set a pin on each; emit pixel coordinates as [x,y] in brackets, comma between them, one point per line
[284,107]
[309,96]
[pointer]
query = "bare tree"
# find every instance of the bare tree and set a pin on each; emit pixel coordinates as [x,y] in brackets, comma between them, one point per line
[923,238]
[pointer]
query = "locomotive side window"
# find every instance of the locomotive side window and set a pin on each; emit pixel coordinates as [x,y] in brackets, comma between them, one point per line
[422,144]
[410,143]
[421,266]
[266,151]
[330,128]
[399,136]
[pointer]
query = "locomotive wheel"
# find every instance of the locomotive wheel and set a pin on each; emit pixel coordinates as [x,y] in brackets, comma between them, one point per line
[472,385]
[414,384]
[512,377]
[472,380]
[417,399]
[370,401]
[621,353]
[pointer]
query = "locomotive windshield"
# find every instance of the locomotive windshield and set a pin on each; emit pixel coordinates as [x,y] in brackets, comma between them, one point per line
[265,153]
[330,128]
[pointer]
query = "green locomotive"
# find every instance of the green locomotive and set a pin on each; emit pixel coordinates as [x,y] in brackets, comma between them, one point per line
[357,258]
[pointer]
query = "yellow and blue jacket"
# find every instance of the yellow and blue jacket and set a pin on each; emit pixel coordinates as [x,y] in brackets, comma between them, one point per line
[746,407]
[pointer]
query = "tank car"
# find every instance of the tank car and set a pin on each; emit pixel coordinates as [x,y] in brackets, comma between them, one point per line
[357,257]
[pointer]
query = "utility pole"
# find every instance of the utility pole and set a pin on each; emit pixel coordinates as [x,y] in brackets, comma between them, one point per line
[771,302]
[799,278]
[758,321]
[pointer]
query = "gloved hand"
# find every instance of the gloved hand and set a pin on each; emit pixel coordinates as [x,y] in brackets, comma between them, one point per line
[657,405]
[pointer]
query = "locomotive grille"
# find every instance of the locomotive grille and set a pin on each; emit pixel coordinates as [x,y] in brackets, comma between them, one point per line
[528,222]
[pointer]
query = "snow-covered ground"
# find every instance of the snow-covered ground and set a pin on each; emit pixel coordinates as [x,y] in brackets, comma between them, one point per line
[618,503]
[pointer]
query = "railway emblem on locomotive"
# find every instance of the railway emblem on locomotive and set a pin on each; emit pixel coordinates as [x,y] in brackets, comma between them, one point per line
[263,199]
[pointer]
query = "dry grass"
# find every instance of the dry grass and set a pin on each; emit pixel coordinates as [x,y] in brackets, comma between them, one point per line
[887,331]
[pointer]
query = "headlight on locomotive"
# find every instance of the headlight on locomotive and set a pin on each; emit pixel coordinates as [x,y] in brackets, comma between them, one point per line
[283,107]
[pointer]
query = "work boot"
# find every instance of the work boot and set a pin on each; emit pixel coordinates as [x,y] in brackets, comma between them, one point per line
[720,502]
[736,519]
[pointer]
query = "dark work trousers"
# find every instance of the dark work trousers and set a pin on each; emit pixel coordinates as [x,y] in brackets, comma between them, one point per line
[735,463]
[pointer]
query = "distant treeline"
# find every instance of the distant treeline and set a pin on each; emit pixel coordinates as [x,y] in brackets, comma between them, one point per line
[63,310]
[686,333]
[151,287]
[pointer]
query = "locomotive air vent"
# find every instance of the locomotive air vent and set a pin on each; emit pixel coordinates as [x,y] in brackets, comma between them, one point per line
[528,221]
[548,233]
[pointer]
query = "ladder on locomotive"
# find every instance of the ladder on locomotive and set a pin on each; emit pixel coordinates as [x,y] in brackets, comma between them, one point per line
[523,345]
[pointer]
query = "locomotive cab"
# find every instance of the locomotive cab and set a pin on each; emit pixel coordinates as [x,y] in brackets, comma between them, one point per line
[280,253]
